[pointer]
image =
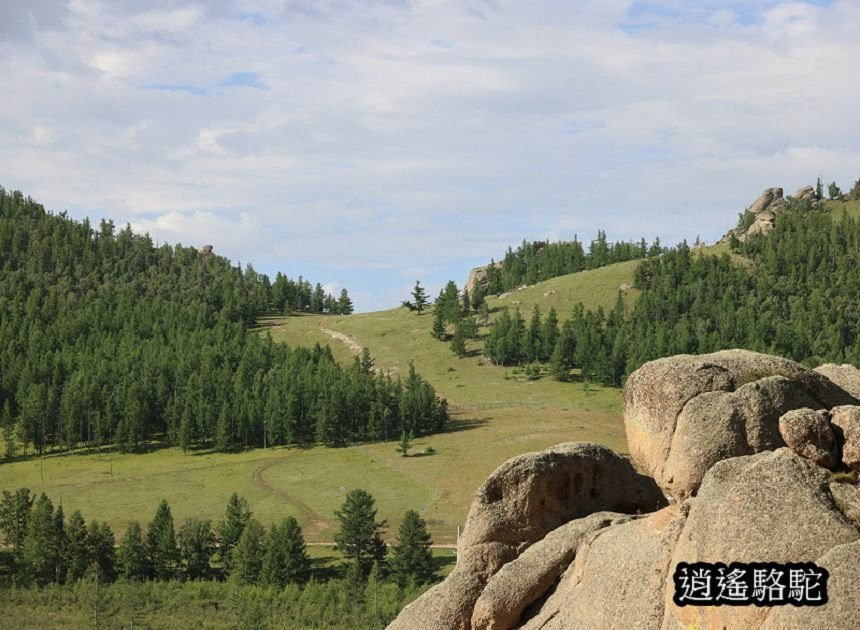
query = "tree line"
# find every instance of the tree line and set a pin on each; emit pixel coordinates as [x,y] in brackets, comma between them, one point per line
[107,339]
[796,298]
[537,261]
[45,547]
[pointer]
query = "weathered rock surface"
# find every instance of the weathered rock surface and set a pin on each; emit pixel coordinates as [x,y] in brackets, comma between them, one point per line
[478,276]
[530,495]
[769,507]
[765,210]
[809,434]
[449,604]
[617,579]
[676,437]
[846,420]
[845,376]
[847,497]
[769,198]
[524,580]
[805,193]
[843,607]
[521,502]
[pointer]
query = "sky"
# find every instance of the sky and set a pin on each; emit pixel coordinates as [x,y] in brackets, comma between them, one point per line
[371,144]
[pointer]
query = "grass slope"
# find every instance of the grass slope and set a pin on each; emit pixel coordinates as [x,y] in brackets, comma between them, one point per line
[311,484]
[497,414]
[851,206]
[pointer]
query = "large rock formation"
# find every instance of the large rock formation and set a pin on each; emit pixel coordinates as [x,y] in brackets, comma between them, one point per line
[685,413]
[764,211]
[522,501]
[477,276]
[558,539]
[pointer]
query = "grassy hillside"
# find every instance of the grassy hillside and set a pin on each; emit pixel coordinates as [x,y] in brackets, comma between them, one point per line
[595,287]
[311,484]
[836,208]
[397,336]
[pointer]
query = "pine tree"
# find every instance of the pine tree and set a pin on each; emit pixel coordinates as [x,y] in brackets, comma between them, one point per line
[77,556]
[285,558]
[132,560]
[41,549]
[477,296]
[317,299]
[236,517]
[161,543]
[562,356]
[366,361]
[15,510]
[405,443]
[344,303]
[448,303]
[62,542]
[411,557]
[458,341]
[247,557]
[196,547]
[549,335]
[419,297]
[101,549]
[438,329]
[359,538]
[532,344]
[223,438]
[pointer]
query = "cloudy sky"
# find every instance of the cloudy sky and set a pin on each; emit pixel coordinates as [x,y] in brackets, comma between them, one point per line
[368,144]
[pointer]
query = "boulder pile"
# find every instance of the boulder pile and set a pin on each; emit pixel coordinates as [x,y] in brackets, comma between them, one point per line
[747,458]
[764,210]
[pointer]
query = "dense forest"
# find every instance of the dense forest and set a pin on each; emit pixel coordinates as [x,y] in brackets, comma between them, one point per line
[107,339]
[537,261]
[45,548]
[797,297]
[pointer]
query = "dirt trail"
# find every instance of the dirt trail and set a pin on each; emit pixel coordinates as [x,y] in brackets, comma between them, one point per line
[317,523]
[346,340]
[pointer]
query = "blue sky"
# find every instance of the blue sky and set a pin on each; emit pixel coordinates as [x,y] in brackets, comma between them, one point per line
[372,144]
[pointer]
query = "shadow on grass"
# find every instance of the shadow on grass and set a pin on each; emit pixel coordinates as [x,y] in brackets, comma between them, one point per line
[324,569]
[421,454]
[466,424]
[440,563]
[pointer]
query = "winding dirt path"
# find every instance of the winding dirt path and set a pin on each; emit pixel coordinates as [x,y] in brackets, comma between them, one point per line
[317,523]
[346,340]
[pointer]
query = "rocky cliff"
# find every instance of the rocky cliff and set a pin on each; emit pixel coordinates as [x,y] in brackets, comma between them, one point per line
[763,211]
[747,458]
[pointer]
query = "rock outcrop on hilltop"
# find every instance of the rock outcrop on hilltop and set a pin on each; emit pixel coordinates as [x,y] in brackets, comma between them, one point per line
[574,537]
[764,210]
[478,276]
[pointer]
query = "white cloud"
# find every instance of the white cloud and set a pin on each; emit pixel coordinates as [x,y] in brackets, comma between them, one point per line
[419,139]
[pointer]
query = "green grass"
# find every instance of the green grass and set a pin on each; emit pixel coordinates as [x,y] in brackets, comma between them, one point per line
[593,288]
[311,484]
[497,414]
[398,336]
[851,206]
